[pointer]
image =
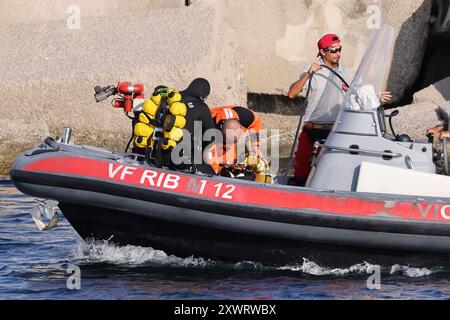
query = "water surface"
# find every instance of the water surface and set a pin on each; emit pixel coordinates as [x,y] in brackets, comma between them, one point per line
[34,264]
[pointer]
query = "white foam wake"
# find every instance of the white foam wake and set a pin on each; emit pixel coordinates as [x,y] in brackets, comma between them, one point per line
[410,271]
[103,251]
[312,268]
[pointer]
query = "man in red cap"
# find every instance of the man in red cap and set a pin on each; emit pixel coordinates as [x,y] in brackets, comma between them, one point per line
[324,100]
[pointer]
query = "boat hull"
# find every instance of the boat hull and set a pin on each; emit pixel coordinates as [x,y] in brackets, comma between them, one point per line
[189,223]
[184,240]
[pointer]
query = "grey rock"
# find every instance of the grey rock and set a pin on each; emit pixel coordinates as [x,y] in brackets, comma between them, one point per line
[416,118]
[438,93]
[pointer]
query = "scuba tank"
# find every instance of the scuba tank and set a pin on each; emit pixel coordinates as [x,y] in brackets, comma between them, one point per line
[260,167]
[160,123]
[145,127]
[174,122]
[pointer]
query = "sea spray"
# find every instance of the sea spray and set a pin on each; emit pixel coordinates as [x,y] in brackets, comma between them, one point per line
[410,271]
[364,268]
[107,252]
[104,251]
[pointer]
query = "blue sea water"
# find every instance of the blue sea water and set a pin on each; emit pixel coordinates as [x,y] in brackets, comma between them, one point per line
[34,265]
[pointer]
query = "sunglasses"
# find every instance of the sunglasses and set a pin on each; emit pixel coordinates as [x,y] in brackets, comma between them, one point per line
[333,50]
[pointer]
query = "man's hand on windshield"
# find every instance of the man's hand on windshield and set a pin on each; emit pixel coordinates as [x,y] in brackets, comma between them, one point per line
[385,96]
[444,135]
[314,68]
[435,130]
[439,130]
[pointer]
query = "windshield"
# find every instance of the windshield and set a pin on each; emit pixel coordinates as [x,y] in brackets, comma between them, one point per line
[328,103]
[370,77]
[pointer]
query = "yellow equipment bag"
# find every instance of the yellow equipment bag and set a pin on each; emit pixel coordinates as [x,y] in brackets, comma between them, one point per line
[152,113]
[143,129]
[261,168]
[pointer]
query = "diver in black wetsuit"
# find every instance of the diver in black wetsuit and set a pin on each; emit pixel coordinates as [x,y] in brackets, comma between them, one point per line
[197,111]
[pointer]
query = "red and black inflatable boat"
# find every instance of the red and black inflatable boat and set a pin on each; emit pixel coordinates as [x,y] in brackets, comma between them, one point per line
[106,195]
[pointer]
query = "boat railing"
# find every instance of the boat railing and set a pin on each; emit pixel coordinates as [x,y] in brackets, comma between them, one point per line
[384,154]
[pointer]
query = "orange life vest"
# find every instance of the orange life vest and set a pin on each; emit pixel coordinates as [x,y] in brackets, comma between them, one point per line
[222,155]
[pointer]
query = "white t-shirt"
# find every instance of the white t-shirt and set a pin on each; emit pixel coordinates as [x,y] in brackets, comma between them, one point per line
[327,94]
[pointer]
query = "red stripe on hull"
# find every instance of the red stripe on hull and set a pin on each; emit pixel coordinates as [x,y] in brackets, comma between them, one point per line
[236,193]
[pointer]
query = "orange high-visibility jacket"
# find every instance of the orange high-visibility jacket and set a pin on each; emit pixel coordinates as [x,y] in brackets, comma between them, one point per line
[226,154]
[247,118]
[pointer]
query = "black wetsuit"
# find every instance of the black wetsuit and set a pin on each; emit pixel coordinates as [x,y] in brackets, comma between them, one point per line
[198,111]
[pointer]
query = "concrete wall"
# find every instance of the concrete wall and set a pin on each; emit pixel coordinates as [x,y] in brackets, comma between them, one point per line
[49,69]
[278,38]
[27,11]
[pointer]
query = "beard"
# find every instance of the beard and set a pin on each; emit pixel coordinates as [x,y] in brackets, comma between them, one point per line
[335,61]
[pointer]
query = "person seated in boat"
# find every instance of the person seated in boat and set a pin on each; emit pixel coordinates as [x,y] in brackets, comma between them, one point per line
[237,123]
[197,116]
[323,102]
[167,136]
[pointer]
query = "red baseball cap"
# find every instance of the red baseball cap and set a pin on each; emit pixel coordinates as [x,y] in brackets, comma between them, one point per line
[327,41]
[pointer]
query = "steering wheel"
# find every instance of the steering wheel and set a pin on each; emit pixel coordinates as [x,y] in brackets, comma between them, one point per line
[390,116]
